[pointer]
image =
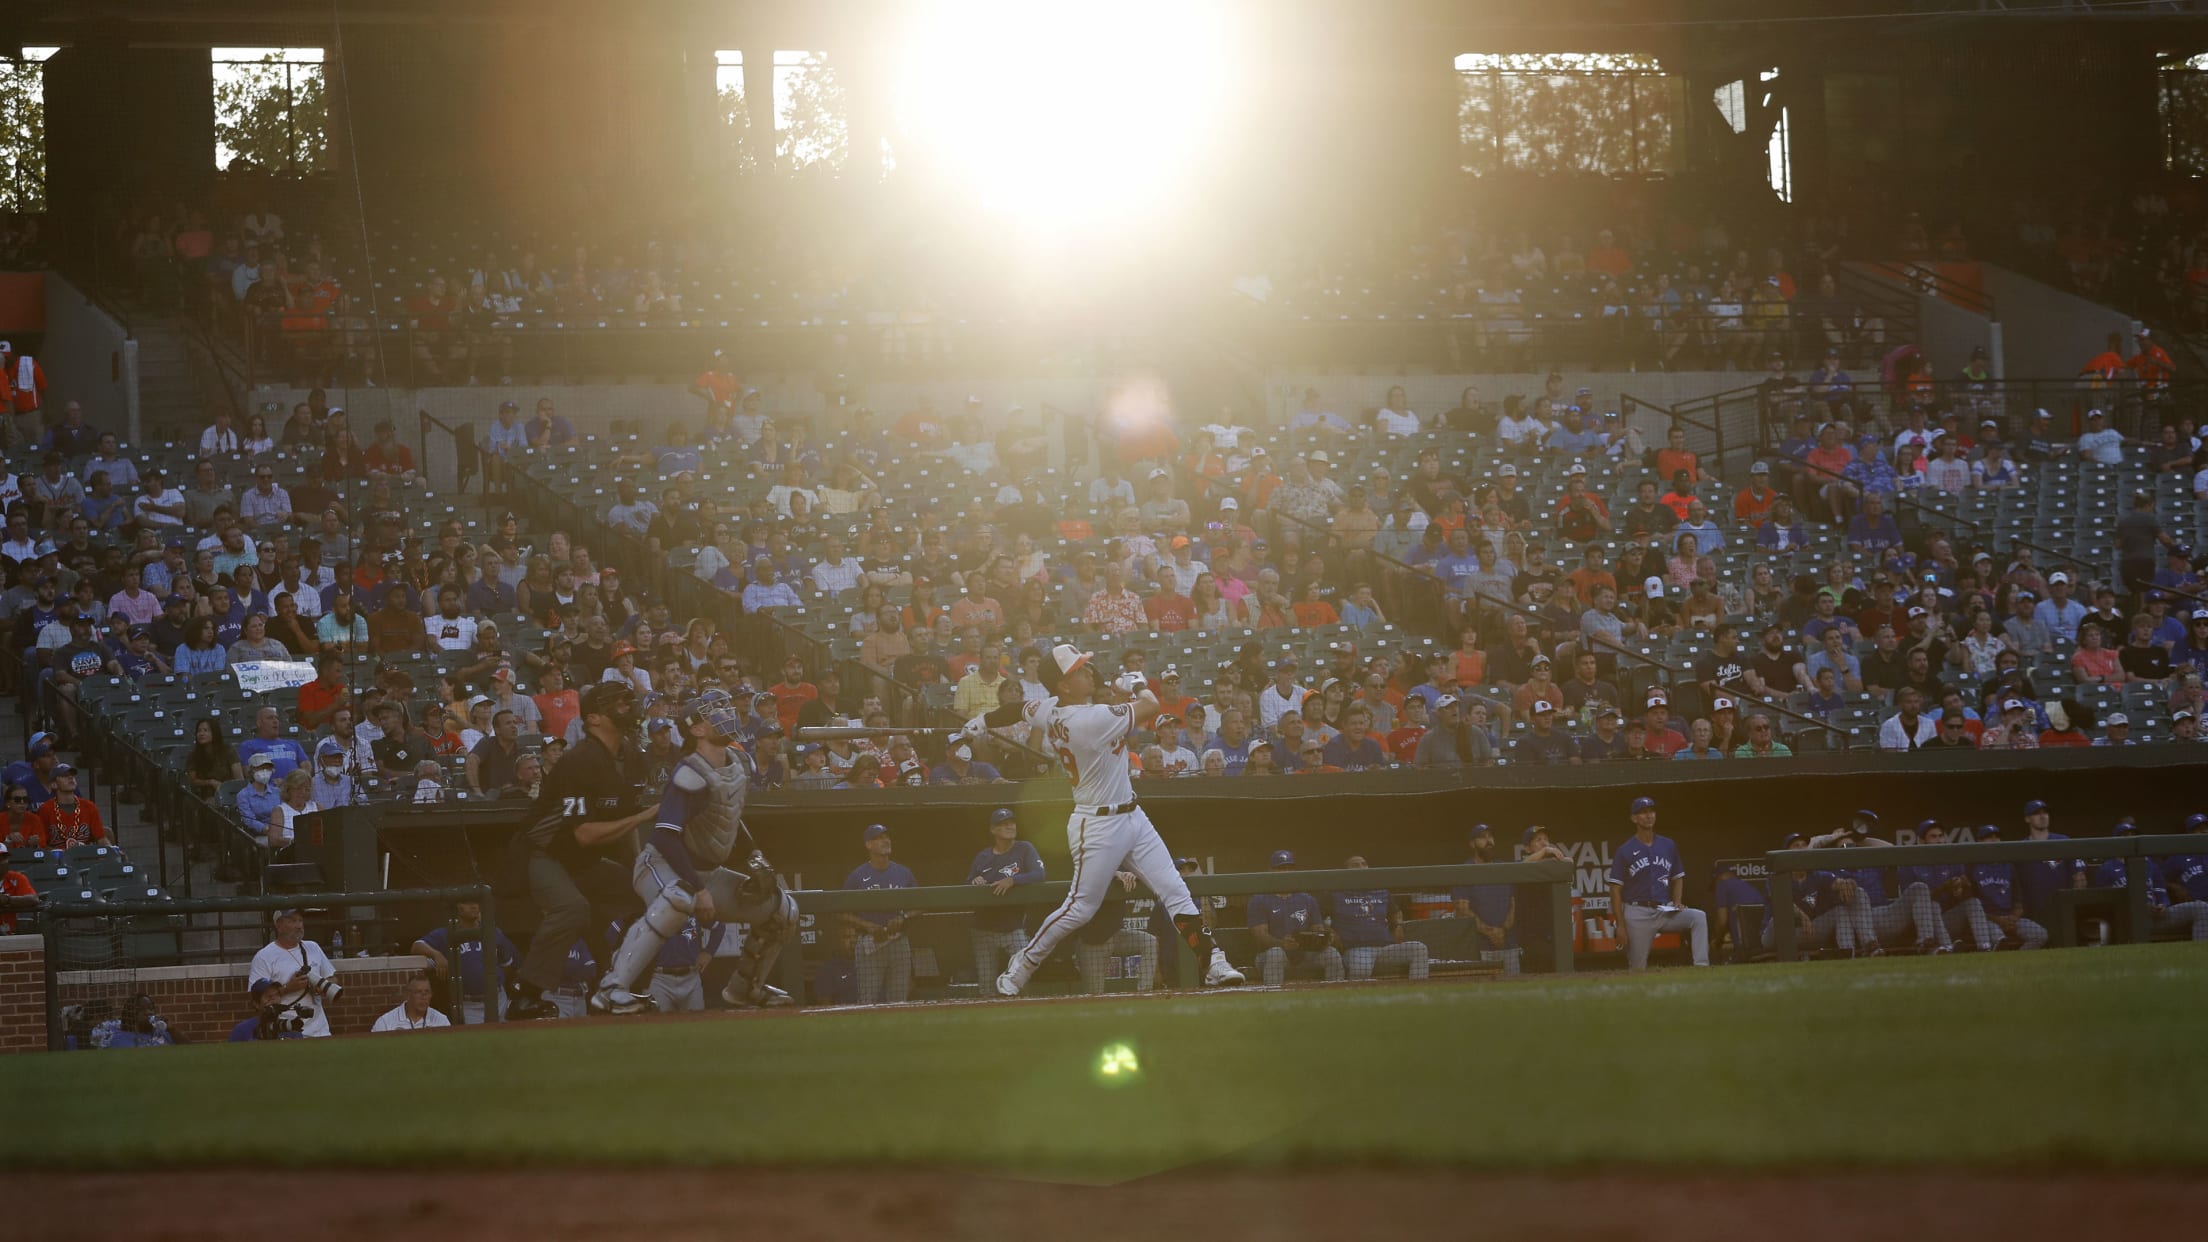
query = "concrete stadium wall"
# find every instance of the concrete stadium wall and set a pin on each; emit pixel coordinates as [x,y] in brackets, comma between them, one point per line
[89,357]
[2045,331]
[200,1002]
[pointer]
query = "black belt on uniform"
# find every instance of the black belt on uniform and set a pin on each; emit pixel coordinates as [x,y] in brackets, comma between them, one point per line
[676,971]
[1647,905]
[1106,810]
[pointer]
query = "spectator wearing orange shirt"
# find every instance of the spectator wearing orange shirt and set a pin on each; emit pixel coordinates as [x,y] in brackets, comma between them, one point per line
[1675,456]
[1608,257]
[792,693]
[1313,610]
[2107,366]
[1753,502]
[1468,663]
[1167,610]
[2152,364]
[16,893]
[68,819]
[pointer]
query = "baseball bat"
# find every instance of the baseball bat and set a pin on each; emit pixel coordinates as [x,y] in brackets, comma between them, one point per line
[832,733]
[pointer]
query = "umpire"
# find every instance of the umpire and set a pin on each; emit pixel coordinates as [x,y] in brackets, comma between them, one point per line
[576,853]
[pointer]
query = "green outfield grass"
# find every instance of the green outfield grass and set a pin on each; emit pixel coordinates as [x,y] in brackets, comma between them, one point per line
[2080,1056]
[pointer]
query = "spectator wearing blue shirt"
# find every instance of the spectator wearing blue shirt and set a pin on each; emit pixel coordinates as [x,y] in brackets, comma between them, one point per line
[1572,437]
[268,740]
[546,428]
[1873,532]
[1709,537]
[1834,655]
[766,591]
[1291,932]
[1354,749]
[2058,612]
[881,953]
[259,798]
[1698,746]
[1309,417]
[1370,929]
[1781,530]
[1830,382]
[504,438]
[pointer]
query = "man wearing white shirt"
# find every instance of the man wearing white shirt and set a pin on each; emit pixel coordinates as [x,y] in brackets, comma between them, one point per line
[838,569]
[1227,436]
[412,1013]
[161,503]
[2101,442]
[449,628]
[1908,728]
[1517,430]
[300,970]
[1283,696]
[633,513]
[1111,490]
[1184,567]
[792,484]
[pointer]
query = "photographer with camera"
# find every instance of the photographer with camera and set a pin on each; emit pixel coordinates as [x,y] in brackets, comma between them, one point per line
[306,983]
[267,1019]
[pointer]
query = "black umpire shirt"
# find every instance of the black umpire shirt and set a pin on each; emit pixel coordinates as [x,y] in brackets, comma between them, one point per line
[589,785]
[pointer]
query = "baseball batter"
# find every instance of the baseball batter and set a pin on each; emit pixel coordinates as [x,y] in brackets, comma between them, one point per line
[1108,829]
[683,871]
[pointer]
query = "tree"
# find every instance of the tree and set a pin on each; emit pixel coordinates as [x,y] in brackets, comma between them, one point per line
[736,114]
[1604,113]
[270,114]
[810,118]
[22,136]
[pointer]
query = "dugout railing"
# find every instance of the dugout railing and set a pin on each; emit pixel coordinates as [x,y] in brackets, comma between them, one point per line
[110,940]
[2136,853]
[1557,877]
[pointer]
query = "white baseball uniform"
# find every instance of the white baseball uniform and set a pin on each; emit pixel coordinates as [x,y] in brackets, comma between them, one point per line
[1106,829]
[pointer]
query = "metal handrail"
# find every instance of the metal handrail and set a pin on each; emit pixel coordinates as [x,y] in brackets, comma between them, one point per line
[1907,272]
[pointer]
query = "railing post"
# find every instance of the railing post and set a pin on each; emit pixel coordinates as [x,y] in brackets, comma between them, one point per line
[1561,926]
[2135,898]
[494,976]
[1782,911]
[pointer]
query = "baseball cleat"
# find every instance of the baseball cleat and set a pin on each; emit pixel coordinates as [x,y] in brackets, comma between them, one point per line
[619,1001]
[1007,985]
[529,1009]
[1929,948]
[758,996]
[1222,973]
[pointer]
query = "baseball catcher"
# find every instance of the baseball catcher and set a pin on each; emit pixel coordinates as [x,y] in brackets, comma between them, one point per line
[699,862]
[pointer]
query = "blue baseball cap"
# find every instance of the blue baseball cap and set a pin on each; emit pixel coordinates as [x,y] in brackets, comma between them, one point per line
[1643,804]
[1284,858]
[40,744]
[1002,815]
[1184,863]
[2195,822]
[2125,828]
[1526,837]
[1865,817]
[258,986]
[1481,830]
[875,830]
[2034,807]
[1925,826]
[1791,838]
[1991,832]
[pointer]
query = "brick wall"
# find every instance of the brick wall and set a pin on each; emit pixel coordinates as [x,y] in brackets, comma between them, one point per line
[22,993]
[200,1002]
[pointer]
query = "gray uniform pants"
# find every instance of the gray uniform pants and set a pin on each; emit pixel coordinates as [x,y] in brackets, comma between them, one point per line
[1644,923]
[471,1011]
[571,907]
[2032,934]
[1275,963]
[1094,960]
[1970,914]
[570,1004]
[673,993]
[1835,928]
[884,969]
[1411,955]
[2185,915]
[992,949]
[1912,911]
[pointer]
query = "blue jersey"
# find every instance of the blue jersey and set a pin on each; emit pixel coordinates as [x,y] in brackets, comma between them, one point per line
[2040,881]
[471,960]
[2188,872]
[1996,883]
[1930,877]
[1872,880]
[1490,902]
[1285,914]
[581,968]
[895,875]
[1733,891]
[1360,918]
[679,952]
[2110,874]
[1645,872]
[1021,865]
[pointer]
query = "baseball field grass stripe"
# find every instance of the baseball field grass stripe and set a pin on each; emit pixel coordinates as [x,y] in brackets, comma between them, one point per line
[2077,1058]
